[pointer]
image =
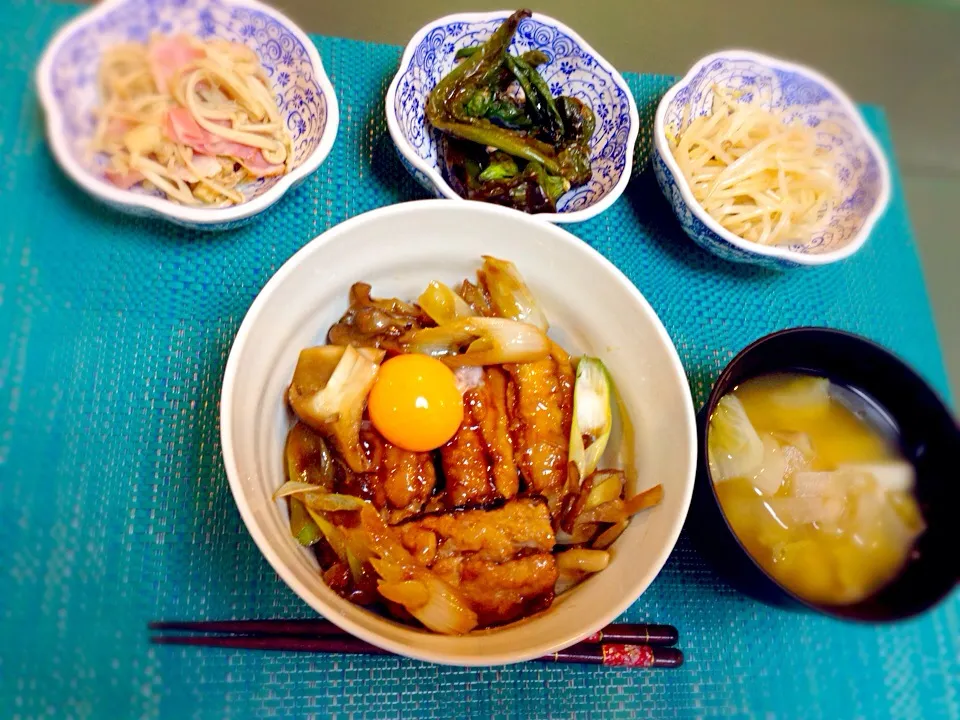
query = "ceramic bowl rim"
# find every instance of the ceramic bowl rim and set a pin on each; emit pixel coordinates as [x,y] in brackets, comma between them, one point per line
[850,109]
[436,177]
[163,207]
[450,656]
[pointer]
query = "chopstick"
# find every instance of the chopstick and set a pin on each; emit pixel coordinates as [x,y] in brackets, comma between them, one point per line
[629,633]
[609,655]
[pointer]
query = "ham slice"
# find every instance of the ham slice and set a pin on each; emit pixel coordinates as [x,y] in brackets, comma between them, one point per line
[259,167]
[181,127]
[167,56]
[124,180]
[118,127]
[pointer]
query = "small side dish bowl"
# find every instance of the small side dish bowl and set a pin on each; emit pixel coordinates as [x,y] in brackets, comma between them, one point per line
[574,69]
[592,308]
[802,95]
[929,439]
[67,82]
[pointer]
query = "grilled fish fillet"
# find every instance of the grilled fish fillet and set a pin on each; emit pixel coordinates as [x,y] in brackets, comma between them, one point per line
[540,405]
[499,560]
[501,592]
[400,483]
[478,462]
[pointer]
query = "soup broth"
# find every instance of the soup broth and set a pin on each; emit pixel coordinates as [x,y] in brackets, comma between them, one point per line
[811,479]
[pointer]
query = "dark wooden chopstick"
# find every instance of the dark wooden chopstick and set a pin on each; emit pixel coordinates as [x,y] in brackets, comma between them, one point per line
[629,633]
[610,655]
[297,628]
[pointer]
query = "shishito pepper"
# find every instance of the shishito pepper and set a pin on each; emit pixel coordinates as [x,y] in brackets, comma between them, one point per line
[445,109]
[483,121]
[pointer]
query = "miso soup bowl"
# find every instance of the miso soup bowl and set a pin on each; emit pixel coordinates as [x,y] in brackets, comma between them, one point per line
[930,440]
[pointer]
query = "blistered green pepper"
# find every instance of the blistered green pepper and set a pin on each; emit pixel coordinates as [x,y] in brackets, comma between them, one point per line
[445,108]
[482,119]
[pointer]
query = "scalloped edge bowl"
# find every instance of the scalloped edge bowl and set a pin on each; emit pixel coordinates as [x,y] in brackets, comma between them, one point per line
[429,175]
[135,203]
[726,244]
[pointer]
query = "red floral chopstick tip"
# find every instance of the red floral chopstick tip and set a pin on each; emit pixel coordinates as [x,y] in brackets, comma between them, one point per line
[617,655]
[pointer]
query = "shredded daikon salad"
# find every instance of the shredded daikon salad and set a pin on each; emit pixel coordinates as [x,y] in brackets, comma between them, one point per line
[759,176]
[192,118]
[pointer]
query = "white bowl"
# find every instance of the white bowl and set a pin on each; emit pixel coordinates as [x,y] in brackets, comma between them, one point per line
[66,78]
[593,308]
[575,69]
[801,94]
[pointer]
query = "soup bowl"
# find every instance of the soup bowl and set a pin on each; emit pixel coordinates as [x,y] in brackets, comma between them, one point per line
[929,439]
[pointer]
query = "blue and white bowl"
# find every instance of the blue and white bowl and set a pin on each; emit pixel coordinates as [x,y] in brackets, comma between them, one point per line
[800,93]
[575,69]
[67,82]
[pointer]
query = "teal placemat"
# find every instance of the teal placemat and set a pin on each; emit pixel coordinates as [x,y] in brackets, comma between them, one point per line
[114,506]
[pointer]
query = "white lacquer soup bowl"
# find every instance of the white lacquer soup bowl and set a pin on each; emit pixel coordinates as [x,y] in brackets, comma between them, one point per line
[592,308]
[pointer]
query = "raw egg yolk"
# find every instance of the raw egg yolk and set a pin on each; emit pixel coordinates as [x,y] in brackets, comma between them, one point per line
[415,403]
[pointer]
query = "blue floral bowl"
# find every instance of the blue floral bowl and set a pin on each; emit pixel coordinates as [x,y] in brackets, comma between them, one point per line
[800,93]
[574,69]
[67,82]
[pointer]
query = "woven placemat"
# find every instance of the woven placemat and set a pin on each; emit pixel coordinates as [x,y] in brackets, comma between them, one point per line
[114,505]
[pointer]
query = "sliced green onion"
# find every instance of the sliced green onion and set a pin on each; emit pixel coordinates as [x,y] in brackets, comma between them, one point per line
[583,559]
[509,294]
[489,341]
[338,542]
[332,502]
[302,526]
[331,533]
[293,487]
[409,593]
[442,304]
[592,419]
[607,486]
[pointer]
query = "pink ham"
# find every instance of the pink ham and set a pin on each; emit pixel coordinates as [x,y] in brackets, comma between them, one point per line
[182,128]
[259,167]
[168,56]
[124,180]
[227,147]
[118,127]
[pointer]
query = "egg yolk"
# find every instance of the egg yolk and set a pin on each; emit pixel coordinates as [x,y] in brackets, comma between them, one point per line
[415,403]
